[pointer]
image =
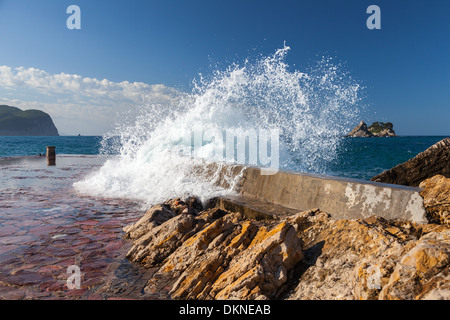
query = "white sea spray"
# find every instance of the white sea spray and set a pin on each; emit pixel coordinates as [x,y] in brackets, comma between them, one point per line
[159,149]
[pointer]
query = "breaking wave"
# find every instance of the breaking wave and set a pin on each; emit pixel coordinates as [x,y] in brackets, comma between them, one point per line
[304,114]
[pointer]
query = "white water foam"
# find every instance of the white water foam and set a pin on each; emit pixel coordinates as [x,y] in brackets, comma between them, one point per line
[156,152]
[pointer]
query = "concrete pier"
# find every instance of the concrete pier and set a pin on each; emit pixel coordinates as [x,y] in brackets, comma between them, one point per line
[343,198]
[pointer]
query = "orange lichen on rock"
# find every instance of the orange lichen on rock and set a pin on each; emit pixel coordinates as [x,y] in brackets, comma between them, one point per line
[215,254]
[436,198]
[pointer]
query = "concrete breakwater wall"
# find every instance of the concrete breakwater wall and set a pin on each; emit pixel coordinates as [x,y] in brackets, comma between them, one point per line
[343,198]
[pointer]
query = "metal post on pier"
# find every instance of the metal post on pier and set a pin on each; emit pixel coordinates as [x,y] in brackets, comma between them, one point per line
[51,156]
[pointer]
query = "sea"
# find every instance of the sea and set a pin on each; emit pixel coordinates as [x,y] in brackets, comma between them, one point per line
[359,158]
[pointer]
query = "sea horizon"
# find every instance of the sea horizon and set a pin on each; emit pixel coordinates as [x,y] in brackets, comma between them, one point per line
[356,157]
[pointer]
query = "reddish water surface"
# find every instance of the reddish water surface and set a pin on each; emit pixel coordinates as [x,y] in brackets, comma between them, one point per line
[45,227]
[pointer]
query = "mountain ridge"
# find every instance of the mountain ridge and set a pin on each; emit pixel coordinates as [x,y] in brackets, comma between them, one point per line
[17,122]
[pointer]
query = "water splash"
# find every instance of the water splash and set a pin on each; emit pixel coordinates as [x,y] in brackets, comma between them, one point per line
[157,156]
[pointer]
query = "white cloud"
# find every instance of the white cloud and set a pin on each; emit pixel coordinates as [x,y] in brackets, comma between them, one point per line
[78,104]
[6,76]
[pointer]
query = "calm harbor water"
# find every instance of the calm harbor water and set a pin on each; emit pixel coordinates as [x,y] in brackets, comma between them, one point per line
[45,227]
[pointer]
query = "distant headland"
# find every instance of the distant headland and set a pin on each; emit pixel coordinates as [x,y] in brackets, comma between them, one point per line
[16,122]
[376,129]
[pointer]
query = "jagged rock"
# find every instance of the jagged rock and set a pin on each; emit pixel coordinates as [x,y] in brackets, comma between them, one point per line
[423,272]
[200,260]
[433,161]
[436,198]
[155,216]
[338,252]
[217,254]
[160,213]
[360,130]
[262,269]
[191,205]
[385,133]
[363,259]
[381,129]
[156,245]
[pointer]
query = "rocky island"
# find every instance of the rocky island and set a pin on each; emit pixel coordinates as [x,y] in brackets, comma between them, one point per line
[16,122]
[376,129]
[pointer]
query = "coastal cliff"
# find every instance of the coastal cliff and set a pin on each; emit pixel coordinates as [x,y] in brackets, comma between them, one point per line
[15,122]
[377,129]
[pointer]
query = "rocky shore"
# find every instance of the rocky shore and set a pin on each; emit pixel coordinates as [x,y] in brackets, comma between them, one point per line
[210,253]
[204,252]
[185,249]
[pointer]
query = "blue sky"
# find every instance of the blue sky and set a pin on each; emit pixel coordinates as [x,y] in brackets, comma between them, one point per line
[405,66]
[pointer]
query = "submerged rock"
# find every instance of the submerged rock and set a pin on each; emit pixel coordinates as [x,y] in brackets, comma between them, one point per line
[433,161]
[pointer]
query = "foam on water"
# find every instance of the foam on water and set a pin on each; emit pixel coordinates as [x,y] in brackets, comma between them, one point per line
[157,152]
